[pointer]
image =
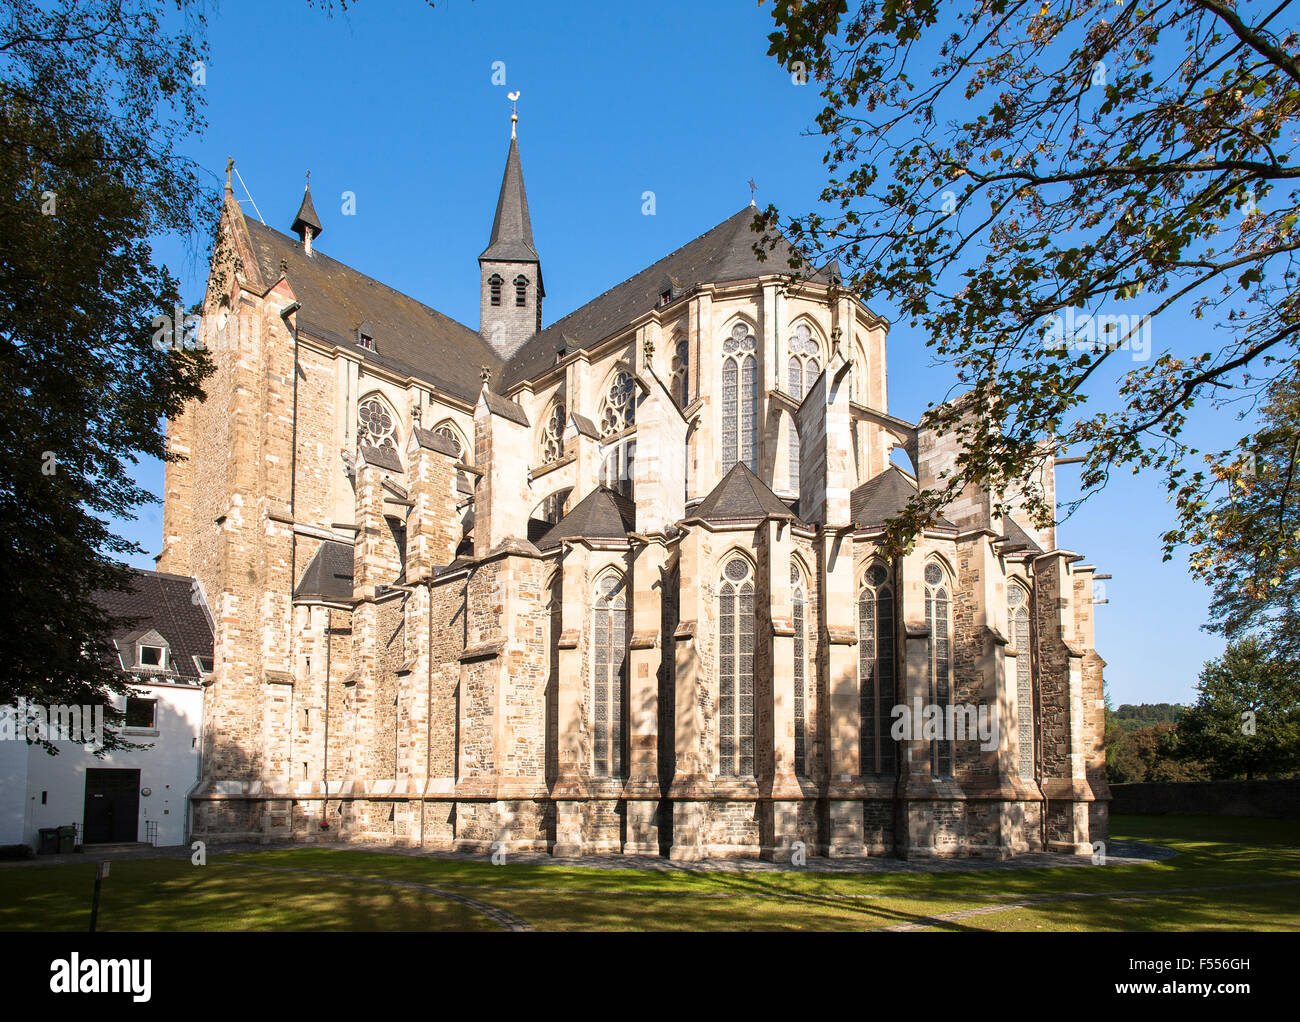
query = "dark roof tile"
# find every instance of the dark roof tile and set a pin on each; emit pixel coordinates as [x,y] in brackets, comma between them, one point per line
[328,575]
[412,339]
[740,497]
[169,605]
[601,514]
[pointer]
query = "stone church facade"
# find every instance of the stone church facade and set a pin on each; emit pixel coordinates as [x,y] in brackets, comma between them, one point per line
[611,585]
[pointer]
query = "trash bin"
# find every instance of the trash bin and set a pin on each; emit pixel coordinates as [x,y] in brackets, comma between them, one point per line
[67,839]
[49,840]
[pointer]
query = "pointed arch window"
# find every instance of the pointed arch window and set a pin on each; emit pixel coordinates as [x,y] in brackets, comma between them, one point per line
[618,409]
[804,364]
[521,290]
[740,399]
[448,430]
[877,675]
[1018,625]
[800,600]
[938,618]
[679,369]
[609,658]
[376,424]
[494,289]
[618,470]
[736,669]
[551,442]
[802,369]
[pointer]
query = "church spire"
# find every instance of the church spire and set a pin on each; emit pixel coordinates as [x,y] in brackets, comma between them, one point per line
[512,228]
[307,224]
[510,270]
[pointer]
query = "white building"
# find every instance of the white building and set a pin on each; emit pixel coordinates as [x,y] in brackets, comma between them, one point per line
[165,644]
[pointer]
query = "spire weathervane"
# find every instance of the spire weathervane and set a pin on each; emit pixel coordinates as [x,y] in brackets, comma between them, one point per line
[514,110]
[752,189]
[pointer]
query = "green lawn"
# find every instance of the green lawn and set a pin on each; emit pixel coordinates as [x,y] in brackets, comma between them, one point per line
[1230,874]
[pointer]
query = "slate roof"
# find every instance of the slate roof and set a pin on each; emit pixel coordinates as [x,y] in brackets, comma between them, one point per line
[165,604]
[512,229]
[307,216]
[722,254]
[740,497]
[1019,539]
[328,575]
[882,497]
[410,338]
[503,406]
[601,514]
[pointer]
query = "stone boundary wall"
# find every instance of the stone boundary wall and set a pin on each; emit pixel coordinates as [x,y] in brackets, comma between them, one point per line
[1207,798]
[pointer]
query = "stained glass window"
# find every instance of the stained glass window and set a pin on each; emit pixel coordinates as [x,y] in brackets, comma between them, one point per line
[800,671]
[802,370]
[736,670]
[939,662]
[376,425]
[876,673]
[618,411]
[609,657]
[740,399]
[552,439]
[1018,622]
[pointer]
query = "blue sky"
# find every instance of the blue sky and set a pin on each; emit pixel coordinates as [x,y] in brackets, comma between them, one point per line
[395,102]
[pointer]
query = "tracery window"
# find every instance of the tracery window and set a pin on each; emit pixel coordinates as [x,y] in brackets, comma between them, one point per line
[736,670]
[618,411]
[876,672]
[679,383]
[740,399]
[1018,625]
[938,611]
[609,657]
[800,670]
[376,425]
[802,370]
[552,439]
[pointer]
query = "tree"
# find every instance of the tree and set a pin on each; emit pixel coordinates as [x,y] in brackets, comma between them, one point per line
[1031,181]
[1248,545]
[1246,720]
[94,101]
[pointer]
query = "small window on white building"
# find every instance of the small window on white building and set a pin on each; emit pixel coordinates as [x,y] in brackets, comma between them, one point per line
[141,713]
[151,656]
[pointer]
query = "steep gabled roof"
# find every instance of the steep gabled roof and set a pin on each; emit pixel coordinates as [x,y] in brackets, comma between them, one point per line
[168,605]
[884,496]
[328,575]
[410,338]
[722,254]
[512,229]
[601,514]
[740,497]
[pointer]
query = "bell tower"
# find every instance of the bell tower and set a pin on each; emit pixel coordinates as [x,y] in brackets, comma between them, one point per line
[510,271]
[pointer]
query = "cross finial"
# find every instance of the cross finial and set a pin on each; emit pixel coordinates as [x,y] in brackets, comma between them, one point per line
[514,110]
[309,179]
[752,189]
[230,163]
